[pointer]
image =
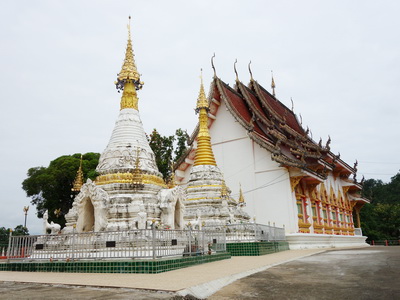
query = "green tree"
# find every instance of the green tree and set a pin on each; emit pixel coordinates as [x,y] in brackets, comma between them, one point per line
[380,219]
[182,138]
[20,230]
[50,187]
[167,149]
[5,234]
[162,147]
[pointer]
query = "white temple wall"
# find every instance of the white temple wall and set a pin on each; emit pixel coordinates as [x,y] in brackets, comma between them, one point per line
[265,185]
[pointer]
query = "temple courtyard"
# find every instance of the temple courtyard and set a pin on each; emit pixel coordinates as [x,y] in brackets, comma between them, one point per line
[346,273]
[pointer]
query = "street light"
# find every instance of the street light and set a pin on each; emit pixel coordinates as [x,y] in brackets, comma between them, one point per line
[26,208]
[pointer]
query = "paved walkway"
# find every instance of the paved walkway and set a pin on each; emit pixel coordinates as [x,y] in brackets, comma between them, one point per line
[367,274]
[200,281]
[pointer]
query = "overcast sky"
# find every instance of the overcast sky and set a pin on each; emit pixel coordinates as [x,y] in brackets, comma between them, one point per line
[338,60]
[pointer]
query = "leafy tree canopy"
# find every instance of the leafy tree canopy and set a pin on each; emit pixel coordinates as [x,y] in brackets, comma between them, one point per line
[5,233]
[50,187]
[167,149]
[380,219]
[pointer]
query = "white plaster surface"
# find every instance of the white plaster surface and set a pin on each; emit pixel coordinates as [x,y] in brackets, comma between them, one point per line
[127,137]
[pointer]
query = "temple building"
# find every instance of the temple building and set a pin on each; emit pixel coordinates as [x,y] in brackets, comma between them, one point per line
[288,179]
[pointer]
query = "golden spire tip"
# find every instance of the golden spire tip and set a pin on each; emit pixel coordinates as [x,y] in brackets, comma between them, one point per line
[272,83]
[202,99]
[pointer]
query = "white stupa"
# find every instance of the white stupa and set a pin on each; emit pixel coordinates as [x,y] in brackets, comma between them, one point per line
[129,192]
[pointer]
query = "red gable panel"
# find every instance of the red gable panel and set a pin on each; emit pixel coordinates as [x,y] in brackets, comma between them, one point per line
[281,110]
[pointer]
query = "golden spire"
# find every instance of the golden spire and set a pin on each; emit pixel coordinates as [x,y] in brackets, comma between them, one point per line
[241,198]
[224,190]
[202,99]
[204,154]
[273,84]
[78,182]
[171,180]
[129,78]
[137,177]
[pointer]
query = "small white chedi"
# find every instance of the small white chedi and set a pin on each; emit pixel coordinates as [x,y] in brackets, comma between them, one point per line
[208,201]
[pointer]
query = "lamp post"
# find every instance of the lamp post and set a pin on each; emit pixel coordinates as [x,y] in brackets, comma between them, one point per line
[26,208]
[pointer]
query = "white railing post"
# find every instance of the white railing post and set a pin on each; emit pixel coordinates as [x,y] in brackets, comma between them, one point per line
[9,246]
[73,243]
[204,238]
[224,239]
[190,240]
[153,233]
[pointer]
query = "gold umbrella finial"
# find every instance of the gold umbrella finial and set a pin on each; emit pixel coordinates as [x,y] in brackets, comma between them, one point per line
[78,182]
[273,83]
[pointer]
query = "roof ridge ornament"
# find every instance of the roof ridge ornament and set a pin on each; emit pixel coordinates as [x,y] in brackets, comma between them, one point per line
[212,65]
[328,142]
[251,73]
[234,67]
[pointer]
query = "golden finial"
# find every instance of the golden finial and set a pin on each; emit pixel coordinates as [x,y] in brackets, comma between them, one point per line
[202,99]
[251,73]
[273,83]
[212,65]
[204,154]
[241,198]
[224,190]
[234,67]
[171,180]
[129,28]
[78,182]
[129,78]
[128,70]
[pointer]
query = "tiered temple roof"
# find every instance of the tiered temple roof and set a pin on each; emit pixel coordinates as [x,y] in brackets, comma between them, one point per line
[276,128]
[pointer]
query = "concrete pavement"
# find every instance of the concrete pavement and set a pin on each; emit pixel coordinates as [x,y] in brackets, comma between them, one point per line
[367,273]
[357,273]
[200,281]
